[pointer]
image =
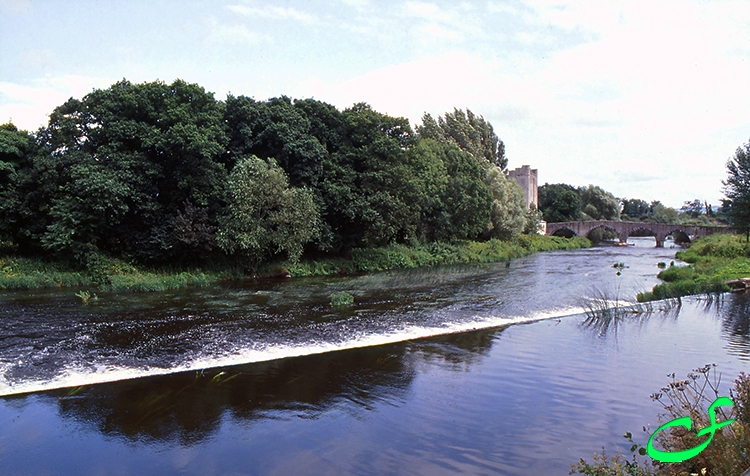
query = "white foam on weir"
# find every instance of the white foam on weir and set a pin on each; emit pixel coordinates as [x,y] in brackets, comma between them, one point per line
[73,377]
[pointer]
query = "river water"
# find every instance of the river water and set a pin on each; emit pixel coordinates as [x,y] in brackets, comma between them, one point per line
[451,370]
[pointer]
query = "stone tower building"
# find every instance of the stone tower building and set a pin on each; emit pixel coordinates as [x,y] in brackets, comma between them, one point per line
[527,179]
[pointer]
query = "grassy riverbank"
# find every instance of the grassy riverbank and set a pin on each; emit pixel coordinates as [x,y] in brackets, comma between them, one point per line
[711,262]
[436,254]
[106,274]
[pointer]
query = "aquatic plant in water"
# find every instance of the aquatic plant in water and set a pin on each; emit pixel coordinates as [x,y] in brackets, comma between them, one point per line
[341,299]
[604,311]
[86,296]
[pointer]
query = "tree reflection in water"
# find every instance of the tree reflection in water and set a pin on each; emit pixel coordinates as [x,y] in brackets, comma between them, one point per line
[187,408]
[734,311]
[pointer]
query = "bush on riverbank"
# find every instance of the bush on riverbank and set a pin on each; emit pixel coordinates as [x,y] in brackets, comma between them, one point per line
[728,453]
[713,260]
[109,274]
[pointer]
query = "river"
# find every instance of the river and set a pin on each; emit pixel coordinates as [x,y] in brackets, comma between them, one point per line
[450,370]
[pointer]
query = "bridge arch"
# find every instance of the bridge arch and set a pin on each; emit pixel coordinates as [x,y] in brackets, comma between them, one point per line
[679,236]
[624,229]
[564,232]
[590,234]
[645,230]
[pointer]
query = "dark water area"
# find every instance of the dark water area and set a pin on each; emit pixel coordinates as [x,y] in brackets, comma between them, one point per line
[269,379]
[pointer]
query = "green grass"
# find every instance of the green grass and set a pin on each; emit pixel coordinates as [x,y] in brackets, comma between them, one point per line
[26,273]
[713,260]
[102,273]
[435,254]
[145,281]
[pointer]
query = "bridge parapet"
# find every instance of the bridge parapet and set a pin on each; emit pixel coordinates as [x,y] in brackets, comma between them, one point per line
[624,229]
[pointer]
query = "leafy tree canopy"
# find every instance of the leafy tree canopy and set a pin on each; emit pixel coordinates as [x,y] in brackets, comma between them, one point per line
[662,213]
[165,173]
[469,132]
[17,149]
[121,163]
[737,190]
[277,129]
[635,209]
[693,208]
[599,204]
[559,202]
[265,216]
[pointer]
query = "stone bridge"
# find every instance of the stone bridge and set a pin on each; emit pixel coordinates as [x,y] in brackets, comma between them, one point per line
[623,229]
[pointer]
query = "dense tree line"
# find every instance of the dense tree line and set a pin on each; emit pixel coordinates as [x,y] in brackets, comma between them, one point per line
[562,202]
[161,173]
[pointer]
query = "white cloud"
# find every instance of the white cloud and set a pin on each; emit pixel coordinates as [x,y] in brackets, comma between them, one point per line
[609,93]
[435,25]
[429,33]
[640,108]
[232,34]
[434,84]
[15,6]
[429,12]
[659,88]
[273,12]
[30,106]
[38,61]
[356,3]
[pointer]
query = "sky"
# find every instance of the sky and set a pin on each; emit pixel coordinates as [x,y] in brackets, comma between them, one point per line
[646,99]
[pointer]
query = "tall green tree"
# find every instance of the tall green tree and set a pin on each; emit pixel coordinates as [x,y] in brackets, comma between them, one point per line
[737,190]
[265,216]
[635,209]
[508,215]
[276,128]
[559,202]
[468,131]
[693,208]
[366,201]
[661,213]
[17,150]
[454,201]
[120,165]
[474,135]
[599,204]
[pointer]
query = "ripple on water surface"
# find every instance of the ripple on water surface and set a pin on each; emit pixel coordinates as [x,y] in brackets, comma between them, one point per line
[521,400]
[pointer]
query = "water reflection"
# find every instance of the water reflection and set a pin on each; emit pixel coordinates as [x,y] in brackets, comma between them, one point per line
[458,351]
[605,316]
[187,408]
[734,312]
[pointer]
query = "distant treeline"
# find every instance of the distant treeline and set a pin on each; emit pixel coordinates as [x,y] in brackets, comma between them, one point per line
[562,202]
[159,174]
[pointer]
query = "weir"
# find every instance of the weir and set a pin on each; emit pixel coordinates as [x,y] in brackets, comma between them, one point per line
[51,340]
[625,229]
